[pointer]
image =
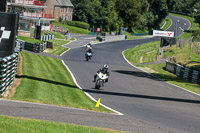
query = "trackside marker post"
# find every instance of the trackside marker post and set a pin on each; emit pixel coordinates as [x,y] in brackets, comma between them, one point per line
[97,105]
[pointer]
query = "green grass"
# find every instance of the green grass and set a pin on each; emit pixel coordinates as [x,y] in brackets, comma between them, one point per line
[46,80]
[134,37]
[143,53]
[182,56]
[167,25]
[73,29]
[25,125]
[72,39]
[57,47]
[30,40]
[187,34]
[148,52]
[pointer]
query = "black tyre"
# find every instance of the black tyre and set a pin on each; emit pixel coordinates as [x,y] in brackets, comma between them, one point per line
[97,86]
[87,58]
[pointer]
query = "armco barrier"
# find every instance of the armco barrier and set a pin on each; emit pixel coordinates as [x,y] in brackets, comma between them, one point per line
[183,72]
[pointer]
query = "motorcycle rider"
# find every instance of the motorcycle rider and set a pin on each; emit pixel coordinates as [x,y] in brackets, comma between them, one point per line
[103,70]
[88,46]
[88,49]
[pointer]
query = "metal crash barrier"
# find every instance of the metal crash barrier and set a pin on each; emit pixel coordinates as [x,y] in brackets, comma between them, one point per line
[183,72]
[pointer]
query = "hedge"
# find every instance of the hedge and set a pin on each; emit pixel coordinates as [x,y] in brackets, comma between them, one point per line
[77,24]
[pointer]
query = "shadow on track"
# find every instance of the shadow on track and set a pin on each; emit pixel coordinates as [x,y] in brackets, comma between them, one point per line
[137,74]
[143,96]
[45,80]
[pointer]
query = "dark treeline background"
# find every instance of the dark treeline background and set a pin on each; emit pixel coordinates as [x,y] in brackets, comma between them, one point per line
[136,15]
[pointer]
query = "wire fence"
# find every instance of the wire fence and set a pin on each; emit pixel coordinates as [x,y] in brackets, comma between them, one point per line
[193,44]
[196,48]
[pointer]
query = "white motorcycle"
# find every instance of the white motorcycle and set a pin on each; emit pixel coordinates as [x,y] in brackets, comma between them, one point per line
[100,80]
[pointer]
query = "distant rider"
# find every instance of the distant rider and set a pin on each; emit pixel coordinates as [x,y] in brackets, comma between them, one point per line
[88,48]
[103,70]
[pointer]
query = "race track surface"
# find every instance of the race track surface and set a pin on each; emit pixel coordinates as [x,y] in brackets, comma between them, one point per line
[149,105]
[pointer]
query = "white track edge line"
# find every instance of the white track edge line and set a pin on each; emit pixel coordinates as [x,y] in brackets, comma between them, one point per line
[170,24]
[74,79]
[157,77]
[66,45]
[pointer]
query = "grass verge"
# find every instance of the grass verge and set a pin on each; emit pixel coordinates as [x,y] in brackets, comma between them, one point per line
[182,56]
[134,37]
[46,80]
[30,40]
[56,34]
[158,71]
[148,52]
[25,125]
[73,29]
[167,25]
[143,53]
[57,47]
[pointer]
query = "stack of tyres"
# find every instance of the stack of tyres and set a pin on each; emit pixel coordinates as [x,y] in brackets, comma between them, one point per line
[37,47]
[8,30]
[37,32]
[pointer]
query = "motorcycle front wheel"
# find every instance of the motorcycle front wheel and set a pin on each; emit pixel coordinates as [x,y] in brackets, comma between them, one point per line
[97,86]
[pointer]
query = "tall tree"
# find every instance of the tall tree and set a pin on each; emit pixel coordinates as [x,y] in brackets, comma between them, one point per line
[81,10]
[159,10]
[197,14]
[129,11]
[111,21]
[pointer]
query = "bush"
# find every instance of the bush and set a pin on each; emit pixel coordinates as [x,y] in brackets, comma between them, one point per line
[73,29]
[60,19]
[77,24]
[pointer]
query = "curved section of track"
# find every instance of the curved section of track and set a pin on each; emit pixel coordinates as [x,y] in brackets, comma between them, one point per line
[138,95]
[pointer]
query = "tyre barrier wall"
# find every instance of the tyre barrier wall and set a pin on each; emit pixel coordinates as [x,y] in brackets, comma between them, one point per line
[8,69]
[183,72]
[47,37]
[36,47]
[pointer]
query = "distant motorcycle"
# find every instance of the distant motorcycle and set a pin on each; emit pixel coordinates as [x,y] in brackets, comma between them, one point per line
[88,56]
[100,80]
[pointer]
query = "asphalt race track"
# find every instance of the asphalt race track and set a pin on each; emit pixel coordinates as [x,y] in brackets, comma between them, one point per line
[136,94]
[149,105]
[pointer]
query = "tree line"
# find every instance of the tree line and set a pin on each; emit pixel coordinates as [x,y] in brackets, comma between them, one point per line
[136,15]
